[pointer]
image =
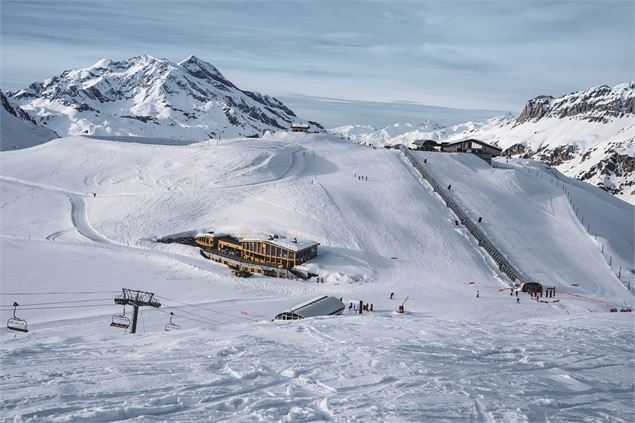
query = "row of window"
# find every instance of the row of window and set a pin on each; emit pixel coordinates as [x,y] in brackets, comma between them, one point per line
[266,249]
[266,259]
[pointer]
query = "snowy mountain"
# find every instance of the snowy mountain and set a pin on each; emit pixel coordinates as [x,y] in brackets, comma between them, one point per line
[147,96]
[588,135]
[19,129]
[597,104]
[398,133]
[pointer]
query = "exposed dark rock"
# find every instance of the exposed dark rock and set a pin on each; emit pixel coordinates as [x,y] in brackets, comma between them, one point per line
[598,104]
[148,83]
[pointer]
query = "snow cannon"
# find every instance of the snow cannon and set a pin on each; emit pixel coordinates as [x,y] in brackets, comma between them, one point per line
[402,309]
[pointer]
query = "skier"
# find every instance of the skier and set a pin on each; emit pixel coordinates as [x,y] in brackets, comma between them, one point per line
[511,292]
[477,294]
[94,195]
[517,300]
[392,294]
[516,294]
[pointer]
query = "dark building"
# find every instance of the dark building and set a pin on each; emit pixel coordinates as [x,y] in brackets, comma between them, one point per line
[478,148]
[425,145]
[300,127]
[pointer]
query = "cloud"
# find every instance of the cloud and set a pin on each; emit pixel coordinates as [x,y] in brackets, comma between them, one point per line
[465,54]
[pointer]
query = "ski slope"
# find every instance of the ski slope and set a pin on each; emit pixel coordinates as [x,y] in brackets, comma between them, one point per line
[79,220]
[526,213]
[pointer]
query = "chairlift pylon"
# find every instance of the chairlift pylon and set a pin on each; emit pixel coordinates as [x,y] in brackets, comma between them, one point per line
[15,323]
[171,325]
[120,320]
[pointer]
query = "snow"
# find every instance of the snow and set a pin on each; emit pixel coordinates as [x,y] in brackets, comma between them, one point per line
[17,133]
[295,245]
[145,96]
[522,209]
[603,128]
[451,356]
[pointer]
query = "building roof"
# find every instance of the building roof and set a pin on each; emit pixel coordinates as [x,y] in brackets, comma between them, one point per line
[472,140]
[300,125]
[212,234]
[424,142]
[319,306]
[289,244]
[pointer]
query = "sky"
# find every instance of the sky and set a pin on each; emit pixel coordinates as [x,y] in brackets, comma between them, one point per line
[481,57]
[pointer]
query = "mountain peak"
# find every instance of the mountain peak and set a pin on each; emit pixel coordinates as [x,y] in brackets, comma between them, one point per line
[596,104]
[149,96]
[191,59]
[201,69]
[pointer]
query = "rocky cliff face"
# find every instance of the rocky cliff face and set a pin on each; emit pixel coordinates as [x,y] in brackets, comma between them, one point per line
[19,129]
[147,96]
[598,104]
[588,134]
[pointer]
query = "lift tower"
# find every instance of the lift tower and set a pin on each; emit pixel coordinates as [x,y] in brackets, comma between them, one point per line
[136,299]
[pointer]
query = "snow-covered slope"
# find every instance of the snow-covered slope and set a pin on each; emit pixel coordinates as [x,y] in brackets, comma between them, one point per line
[588,135]
[66,253]
[303,187]
[19,130]
[521,200]
[147,96]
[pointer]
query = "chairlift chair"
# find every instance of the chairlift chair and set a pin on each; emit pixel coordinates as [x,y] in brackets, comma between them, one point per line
[120,320]
[15,323]
[171,325]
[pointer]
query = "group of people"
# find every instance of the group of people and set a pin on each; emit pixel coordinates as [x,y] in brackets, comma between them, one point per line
[360,177]
[365,306]
[511,293]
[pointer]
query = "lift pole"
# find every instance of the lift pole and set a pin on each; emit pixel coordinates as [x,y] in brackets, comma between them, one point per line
[136,299]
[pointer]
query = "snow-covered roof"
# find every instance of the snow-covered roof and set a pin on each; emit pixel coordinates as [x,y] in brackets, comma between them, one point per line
[319,306]
[212,234]
[472,140]
[289,244]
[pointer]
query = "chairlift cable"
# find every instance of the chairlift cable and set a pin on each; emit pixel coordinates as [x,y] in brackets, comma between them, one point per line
[59,293]
[188,318]
[55,307]
[201,317]
[58,302]
[208,320]
[209,309]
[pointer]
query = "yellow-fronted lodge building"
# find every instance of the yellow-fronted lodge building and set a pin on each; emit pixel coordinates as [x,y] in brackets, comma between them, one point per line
[272,251]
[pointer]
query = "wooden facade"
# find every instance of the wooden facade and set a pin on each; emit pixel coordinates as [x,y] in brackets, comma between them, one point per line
[273,252]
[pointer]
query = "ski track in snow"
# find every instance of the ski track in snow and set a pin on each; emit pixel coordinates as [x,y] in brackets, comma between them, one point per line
[450,358]
[433,371]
